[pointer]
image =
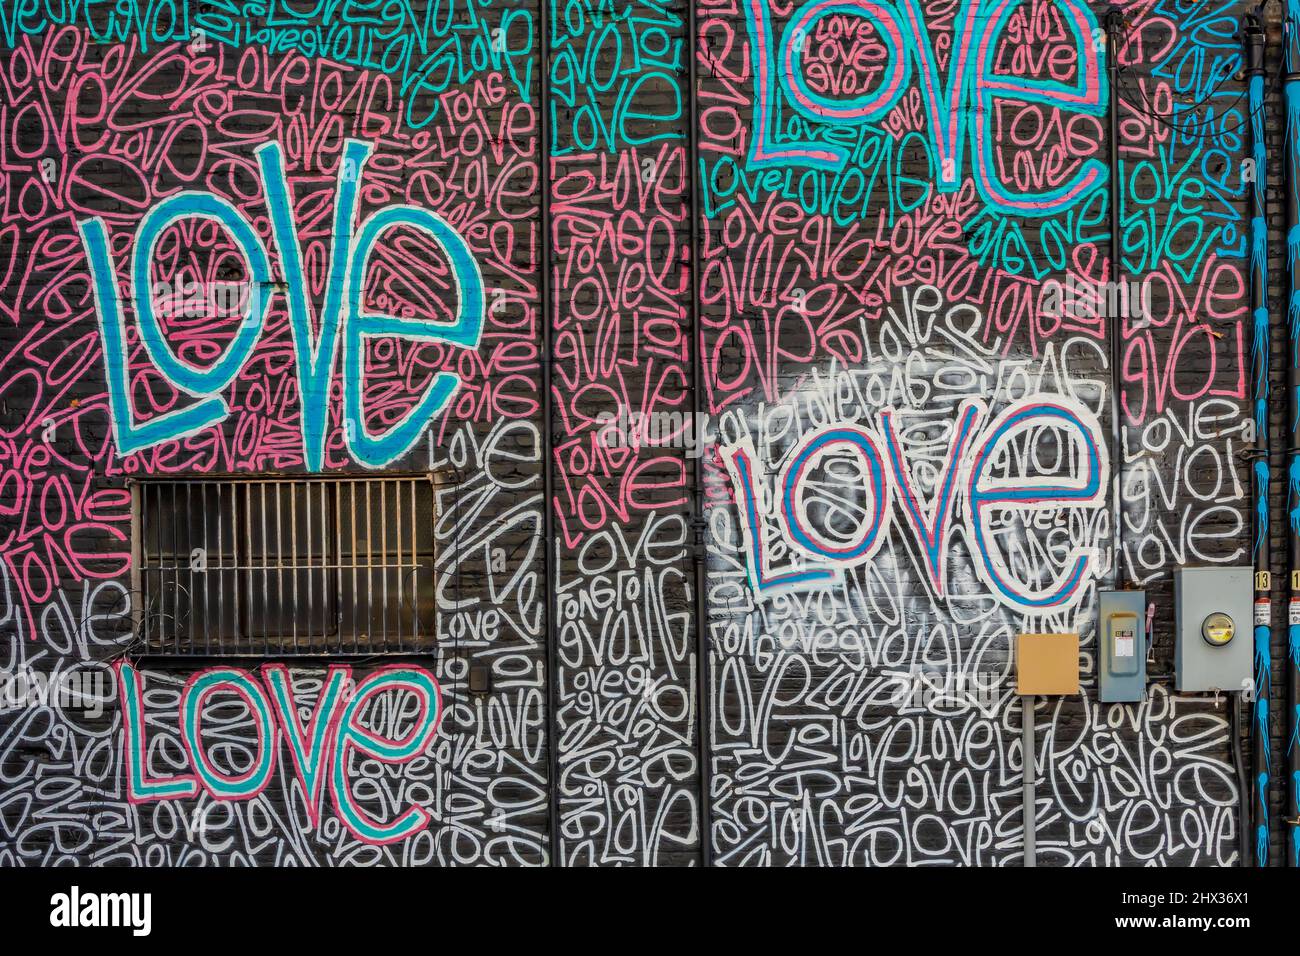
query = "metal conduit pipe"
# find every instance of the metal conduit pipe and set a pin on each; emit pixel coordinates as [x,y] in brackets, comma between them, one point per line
[1114,26]
[1256,821]
[699,551]
[548,448]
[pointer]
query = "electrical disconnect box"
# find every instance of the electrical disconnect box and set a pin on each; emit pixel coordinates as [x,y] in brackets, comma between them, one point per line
[1122,646]
[1215,648]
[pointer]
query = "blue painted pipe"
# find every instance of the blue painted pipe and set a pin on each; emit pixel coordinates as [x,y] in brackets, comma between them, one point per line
[1291,95]
[1260,343]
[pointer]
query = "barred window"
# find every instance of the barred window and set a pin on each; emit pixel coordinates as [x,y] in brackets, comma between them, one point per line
[281,566]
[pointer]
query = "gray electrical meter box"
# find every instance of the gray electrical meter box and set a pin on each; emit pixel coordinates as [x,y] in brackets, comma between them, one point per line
[1121,646]
[1215,646]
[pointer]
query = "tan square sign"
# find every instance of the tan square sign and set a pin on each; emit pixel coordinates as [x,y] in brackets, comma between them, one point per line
[1047,664]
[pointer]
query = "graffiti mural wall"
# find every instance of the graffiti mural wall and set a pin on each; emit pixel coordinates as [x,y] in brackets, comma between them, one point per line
[759,362]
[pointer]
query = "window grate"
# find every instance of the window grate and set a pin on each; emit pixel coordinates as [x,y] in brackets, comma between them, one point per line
[284,566]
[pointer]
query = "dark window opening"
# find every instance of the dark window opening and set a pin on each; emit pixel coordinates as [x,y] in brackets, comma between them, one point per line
[276,566]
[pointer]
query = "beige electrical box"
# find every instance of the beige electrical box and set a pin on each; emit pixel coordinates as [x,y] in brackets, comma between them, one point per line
[1047,664]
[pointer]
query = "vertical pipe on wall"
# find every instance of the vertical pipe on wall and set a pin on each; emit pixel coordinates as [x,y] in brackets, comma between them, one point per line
[137,562]
[699,554]
[1114,25]
[1291,224]
[1261,343]
[548,452]
[1243,788]
[1029,808]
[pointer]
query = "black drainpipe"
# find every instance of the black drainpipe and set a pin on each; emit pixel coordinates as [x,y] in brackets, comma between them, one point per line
[699,551]
[1291,225]
[1256,822]
[1114,26]
[548,451]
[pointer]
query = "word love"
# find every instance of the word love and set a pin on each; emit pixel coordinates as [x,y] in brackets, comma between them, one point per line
[323,748]
[781,134]
[341,316]
[976,465]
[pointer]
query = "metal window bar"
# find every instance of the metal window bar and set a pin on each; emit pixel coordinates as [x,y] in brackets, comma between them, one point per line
[285,566]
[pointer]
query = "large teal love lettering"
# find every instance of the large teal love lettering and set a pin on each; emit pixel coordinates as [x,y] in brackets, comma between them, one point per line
[966,97]
[341,316]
